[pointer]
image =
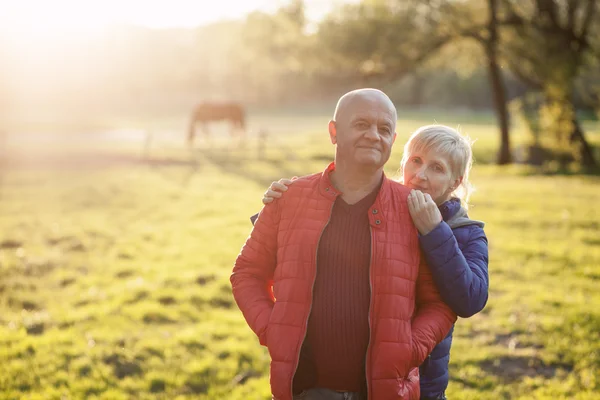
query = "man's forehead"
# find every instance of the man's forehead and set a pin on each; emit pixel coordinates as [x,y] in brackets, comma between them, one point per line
[385,115]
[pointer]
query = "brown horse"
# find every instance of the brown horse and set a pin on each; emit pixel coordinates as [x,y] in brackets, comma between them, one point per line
[206,112]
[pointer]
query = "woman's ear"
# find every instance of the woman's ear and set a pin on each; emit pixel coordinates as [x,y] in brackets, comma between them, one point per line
[457,183]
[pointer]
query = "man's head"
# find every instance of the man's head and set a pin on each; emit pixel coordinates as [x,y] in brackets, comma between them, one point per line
[363,128]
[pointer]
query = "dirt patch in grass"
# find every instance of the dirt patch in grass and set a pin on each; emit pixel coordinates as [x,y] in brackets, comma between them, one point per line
[514,368]
[203,280]
[122,367]
[10,244]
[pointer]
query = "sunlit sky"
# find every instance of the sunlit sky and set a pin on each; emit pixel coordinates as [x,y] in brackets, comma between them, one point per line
[43,17]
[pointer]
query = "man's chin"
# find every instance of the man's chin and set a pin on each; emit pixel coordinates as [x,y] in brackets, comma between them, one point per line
[370,162]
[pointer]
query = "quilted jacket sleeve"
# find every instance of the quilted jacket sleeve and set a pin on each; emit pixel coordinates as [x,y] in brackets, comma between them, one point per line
[252,277]
[460,276]
[433,318]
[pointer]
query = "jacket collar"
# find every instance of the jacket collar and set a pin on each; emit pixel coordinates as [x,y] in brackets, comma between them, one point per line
[376,217]
[450,208]
[326,188]
[456,216]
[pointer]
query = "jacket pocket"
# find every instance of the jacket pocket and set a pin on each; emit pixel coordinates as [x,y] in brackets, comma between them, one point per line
[268,328]
[263,336]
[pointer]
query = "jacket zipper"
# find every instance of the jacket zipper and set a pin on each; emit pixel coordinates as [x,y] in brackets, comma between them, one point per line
[312,288]
[367,355]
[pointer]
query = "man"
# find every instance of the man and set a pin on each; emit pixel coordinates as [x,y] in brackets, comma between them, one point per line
[331,279]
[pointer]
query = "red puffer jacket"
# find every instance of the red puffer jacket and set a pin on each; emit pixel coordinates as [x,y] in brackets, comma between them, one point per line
[407,317]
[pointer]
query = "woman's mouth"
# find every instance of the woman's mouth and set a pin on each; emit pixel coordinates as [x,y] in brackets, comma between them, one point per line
[416,187]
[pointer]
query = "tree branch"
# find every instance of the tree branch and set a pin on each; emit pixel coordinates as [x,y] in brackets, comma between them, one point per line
[512,20]
[394,72]
[548,8]
[515,65]
[513,16]
[589,14]
[571,11]
[473,33]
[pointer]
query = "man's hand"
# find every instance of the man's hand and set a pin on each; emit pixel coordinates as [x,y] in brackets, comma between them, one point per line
[424,212]
[276,189]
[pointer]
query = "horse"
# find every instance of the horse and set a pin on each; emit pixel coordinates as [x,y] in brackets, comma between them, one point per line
[207,112]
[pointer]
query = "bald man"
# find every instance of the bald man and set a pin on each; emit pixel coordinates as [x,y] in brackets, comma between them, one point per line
[332,280]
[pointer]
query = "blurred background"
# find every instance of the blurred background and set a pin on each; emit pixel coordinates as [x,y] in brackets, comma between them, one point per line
[136,138]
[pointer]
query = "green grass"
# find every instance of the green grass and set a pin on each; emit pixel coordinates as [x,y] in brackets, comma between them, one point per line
[114,269]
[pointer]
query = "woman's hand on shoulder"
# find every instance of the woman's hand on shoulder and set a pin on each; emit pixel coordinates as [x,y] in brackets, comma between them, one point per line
[424,212]
[276,190]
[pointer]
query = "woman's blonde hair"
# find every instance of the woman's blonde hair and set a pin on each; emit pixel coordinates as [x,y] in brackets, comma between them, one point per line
[452,144]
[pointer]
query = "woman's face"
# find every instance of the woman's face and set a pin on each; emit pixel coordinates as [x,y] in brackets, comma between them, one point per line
[430,172]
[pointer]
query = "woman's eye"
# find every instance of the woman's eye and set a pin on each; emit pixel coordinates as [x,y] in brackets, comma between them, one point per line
[416,160]
[438,168]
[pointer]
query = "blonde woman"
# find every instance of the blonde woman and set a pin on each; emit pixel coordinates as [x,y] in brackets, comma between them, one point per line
[436,164]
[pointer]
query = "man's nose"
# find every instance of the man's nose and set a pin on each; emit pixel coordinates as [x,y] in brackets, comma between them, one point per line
[372,133]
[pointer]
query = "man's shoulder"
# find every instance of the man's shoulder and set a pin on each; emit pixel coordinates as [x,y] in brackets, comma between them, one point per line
[396,188]
[307,179]
[394,197]
[305,182]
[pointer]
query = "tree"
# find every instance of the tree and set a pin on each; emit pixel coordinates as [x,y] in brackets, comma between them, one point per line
[500,103]
[389,39]
[380,39]
[487,35]
[274,48]
[548,45]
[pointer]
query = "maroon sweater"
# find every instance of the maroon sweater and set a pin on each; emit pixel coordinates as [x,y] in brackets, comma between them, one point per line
[334,352]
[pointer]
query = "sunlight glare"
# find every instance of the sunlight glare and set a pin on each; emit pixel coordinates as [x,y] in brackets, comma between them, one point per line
[45,20]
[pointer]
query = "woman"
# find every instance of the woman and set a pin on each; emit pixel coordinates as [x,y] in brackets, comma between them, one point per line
[436,165]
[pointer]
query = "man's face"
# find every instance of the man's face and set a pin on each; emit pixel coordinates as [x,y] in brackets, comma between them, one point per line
[364,134]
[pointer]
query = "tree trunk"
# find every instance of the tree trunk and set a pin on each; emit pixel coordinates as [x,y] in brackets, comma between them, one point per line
[498,89]
[586,153]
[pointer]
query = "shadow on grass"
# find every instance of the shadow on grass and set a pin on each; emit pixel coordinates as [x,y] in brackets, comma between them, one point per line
[236,164]
[511,369]
[563,171]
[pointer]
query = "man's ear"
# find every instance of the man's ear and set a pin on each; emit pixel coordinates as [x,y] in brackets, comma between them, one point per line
[332,132]
[394,139]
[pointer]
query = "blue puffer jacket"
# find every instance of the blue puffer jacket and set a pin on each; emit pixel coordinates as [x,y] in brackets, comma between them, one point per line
[457,254]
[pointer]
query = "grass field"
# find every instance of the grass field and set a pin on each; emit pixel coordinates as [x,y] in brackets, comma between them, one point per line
[115,263]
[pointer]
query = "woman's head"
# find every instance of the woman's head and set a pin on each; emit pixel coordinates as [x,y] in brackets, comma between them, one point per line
[437,160]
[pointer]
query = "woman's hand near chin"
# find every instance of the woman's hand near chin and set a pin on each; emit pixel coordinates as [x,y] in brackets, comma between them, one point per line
[424,212]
